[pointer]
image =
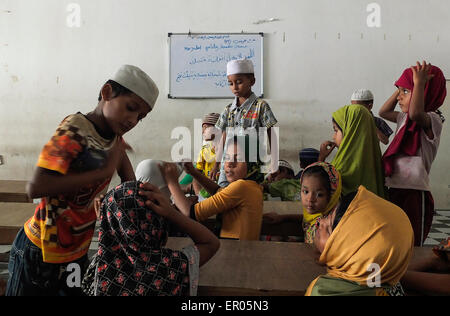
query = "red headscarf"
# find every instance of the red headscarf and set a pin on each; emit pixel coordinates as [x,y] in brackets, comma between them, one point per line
[407,140]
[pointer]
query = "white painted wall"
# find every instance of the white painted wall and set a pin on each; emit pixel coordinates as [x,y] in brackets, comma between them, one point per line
[315,56]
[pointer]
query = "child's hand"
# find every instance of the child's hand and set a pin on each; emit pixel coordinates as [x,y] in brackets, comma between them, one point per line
[215,172]
[188,166]
[155,200]
[97,204]
[421,74]
[325,149]
[169,172]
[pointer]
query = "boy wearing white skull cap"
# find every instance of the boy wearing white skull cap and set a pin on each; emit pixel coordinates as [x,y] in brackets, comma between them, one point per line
[75,167]
[365,98]
[246,111]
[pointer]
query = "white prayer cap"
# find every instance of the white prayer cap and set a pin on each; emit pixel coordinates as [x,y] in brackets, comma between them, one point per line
[148,171]
[137,81]
[362,95]
[284,163]
[240,66]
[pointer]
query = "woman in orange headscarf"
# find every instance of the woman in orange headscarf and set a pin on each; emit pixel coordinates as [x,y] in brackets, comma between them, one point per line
[367,251]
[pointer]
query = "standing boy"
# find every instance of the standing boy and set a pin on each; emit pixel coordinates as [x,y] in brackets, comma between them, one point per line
[246,112]
[74,167]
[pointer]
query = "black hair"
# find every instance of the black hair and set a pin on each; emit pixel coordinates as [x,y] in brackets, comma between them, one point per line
[308,161]
[319,172]
[117,89]
[343,206]
[337,124]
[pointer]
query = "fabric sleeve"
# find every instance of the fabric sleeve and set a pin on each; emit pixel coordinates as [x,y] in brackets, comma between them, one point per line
[222,122]
[193,256]
[276,189]
[267,118]
[62,149]
[436,127]
[383,127]
[224,200]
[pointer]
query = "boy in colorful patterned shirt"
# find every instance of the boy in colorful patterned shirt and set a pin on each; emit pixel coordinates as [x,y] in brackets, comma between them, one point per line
[74,167]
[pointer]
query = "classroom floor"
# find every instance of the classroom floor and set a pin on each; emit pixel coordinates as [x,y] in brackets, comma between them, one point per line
[440,229]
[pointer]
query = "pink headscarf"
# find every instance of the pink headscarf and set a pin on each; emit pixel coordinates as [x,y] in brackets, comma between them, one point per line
[407,140]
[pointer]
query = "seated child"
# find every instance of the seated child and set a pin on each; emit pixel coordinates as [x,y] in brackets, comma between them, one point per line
[239,206]
[366,245]
[282,183]
[131,259]
[364,97]
[320,193]
[207,156]
[306,156]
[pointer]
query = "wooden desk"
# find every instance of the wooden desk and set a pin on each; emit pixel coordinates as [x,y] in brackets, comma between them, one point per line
[283,207]
[12,217]
[256,268]
[13,191]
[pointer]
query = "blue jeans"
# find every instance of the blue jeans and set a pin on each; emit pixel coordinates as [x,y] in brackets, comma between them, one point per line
[29,275]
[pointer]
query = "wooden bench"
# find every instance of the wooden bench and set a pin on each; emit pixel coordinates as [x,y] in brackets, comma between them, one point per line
[14,191]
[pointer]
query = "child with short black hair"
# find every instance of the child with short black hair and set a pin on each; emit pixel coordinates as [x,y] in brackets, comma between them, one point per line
[74,167]
[306,156]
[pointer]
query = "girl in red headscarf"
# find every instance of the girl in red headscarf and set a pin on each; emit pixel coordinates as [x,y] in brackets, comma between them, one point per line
[407,161]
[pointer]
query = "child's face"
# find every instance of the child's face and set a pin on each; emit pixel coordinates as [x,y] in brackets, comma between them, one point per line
[235,167]
[315,196]
[241,84]
[337,135]
[404,98]
[278,175]
[123,112]
[367,104]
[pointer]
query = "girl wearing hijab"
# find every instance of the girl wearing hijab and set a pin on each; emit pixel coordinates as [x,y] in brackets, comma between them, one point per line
[239,206]
[131,258]
[358,158]
[320,193]
[407,161]
[366,245]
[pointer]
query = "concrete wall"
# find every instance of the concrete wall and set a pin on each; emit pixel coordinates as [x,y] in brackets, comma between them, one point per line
[316,54]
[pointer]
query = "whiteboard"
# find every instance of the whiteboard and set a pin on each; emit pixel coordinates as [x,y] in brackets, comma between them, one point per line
[198,63]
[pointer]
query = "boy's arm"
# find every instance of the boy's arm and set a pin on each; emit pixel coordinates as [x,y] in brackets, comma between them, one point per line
[210,186]
[387,110]
[46,182]
[382,137]
[125,170]
[215,170]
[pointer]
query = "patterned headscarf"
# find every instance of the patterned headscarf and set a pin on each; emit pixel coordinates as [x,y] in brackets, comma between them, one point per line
[310,220]
[131,259]
[407,139]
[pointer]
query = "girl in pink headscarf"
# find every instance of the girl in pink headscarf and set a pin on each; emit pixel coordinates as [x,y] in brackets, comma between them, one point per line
[407,161]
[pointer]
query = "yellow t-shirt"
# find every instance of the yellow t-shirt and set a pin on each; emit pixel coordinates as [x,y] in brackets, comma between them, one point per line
[206,159]
[241,203]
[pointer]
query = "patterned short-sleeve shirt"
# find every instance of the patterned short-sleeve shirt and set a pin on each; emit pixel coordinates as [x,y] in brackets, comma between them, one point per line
[253,113]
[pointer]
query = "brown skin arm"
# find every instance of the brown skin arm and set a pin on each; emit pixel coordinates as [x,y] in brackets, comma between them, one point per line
[47,182]
[125,170]
[383,138]
[387,110]
[210,186]
[425,282]
[417,106]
